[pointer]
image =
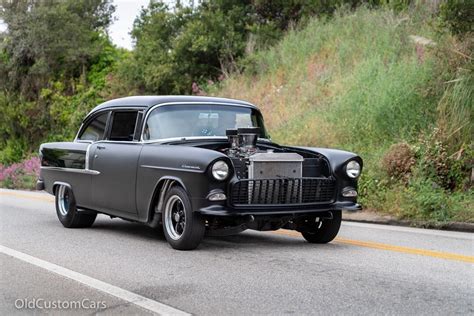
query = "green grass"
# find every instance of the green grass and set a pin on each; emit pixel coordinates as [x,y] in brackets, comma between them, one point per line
[359,83]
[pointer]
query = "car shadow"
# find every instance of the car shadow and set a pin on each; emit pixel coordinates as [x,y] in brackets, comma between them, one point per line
[121,227]
[244,240]
[248,239]
[253,239]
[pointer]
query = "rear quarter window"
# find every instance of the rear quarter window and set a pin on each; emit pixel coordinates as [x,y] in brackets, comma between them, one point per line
[95,129]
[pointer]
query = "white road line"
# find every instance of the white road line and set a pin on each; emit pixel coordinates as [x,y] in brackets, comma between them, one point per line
[423,231]
[141,301]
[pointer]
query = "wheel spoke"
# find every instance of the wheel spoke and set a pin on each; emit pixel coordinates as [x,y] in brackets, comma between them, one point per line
[175,217]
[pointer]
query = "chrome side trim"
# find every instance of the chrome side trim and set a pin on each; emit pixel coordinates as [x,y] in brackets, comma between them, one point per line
[106,141]
[76,139]
[173,169]
[168,183]
[58,183]
[85,171]
[62,183]
[87,156]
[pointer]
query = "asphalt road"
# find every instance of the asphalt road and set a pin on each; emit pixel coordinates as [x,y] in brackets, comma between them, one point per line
[126,267]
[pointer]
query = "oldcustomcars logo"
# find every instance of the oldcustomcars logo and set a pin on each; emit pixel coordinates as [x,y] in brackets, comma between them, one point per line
[39,303]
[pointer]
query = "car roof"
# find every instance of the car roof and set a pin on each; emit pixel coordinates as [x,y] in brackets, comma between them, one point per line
[147,101]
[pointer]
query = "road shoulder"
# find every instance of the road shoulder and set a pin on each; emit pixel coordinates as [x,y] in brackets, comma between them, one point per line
[384,219]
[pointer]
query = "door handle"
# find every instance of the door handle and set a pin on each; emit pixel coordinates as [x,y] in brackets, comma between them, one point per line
[100,147]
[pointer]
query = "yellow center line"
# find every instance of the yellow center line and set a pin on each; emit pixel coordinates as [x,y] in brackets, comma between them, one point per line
[28,196]
[367,244]
[381,246]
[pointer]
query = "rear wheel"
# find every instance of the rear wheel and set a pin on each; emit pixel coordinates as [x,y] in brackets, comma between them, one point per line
[183,228]
[67,211]
[322,231]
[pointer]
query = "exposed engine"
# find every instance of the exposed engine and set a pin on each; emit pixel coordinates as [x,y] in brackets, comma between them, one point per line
[243,142]
[250,162]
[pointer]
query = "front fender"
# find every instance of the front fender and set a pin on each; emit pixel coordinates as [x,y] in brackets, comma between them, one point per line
[184,164]
[336,158]
[177,157]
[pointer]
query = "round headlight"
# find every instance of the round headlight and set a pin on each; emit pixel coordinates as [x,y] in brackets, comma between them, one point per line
[220,170]
[353,169]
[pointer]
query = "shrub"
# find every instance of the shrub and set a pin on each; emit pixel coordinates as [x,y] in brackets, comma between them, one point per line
[398,161]
[424,199]
[14,150]
[458,15]
[448,170]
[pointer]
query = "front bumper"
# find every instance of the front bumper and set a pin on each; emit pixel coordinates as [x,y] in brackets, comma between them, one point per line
[223,210]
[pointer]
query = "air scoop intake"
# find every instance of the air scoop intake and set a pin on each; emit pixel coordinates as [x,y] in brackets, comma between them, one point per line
[248,137]
[233,137]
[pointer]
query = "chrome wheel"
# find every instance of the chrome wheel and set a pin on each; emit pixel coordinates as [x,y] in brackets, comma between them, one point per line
[63,200]
[175,217]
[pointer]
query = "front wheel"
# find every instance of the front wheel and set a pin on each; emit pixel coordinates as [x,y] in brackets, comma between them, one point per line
[322,231]
[183,228]
[67,211]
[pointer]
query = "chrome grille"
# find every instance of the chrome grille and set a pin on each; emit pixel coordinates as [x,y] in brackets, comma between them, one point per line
[283,191]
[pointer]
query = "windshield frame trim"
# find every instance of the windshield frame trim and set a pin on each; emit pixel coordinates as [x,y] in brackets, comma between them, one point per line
[250,106]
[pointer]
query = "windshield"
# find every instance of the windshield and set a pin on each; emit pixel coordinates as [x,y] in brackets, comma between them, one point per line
[170,121]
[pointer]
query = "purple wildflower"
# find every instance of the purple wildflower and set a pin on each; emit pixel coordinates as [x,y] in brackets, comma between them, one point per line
[14,175]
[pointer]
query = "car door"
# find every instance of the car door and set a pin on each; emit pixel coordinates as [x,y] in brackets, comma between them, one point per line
[116,159]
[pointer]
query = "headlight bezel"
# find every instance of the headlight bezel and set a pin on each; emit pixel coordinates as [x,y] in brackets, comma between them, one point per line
[353,169]
[218,169]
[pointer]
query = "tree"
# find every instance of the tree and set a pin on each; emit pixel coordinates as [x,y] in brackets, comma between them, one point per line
[175,47]
[54,57]
[50,40]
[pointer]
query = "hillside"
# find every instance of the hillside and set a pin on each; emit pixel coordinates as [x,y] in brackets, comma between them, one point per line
[391,87]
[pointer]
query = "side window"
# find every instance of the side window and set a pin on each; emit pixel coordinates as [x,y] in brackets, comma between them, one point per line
[96,128]
[123,126]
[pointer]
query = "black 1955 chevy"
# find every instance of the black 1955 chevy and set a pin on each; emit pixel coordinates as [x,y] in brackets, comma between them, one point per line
[192,166]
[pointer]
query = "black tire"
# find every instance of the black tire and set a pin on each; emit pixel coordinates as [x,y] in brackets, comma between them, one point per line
[67,211]
[182,233]
[324,231]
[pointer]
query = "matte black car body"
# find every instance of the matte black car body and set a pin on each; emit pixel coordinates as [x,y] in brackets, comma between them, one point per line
[129,179]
